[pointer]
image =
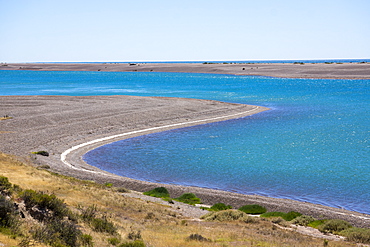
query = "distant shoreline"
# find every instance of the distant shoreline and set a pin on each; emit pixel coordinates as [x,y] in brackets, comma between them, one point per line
[285,70]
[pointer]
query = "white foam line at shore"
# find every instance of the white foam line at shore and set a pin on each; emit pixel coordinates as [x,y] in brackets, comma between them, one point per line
[63,156]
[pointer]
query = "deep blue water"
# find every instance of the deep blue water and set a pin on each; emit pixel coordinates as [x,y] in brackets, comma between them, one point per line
[312,146]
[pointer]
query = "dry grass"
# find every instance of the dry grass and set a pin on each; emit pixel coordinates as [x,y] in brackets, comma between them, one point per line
[230,234]
[157,225]
[8,240]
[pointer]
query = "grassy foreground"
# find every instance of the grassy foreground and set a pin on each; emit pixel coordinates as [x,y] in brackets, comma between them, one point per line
[126,221]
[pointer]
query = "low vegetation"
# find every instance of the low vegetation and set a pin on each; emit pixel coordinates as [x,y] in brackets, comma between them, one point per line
[8,216]
[303,220]
[43,153]
[286,216]
[53,223]
[197,237]
[109,185]
[358,235]
[188,198]
[220,207]
[317,223]
[6,188]
[253,209]
[334,226]
[160,192]
[6,117]
[136,243]
[342,228]
[229,215]
[40,208]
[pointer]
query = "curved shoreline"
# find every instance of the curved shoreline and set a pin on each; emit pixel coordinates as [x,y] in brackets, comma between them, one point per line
[63,156]
[52,123]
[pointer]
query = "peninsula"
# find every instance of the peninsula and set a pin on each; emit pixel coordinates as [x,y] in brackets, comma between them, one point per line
[289,70]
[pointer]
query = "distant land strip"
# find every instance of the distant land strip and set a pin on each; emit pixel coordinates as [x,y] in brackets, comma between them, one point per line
[358,70]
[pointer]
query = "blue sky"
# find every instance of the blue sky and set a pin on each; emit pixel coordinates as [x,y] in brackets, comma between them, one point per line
[187,30]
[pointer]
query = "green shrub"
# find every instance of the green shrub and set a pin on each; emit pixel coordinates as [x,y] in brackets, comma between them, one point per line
[43,167]
[316,223]
[16,188]
[188,198]
[44,202]
[109,185]
[86,240]
[5,186]
[220,207]
[334,226]
[303,220]
[253,209]
[150,216]
[278,220]
[291,215]
[58,233]
[67,231]
[122,190]
[89,213]
[197,237]
[103,225]
[8,216]
[134,235]
[43,153]
[358,235]
[228,215]
[113,241]
[273,214]
[136,243]
[160,192]
[286,216]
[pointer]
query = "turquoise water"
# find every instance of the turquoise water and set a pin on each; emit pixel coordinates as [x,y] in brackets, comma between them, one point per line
[312,146]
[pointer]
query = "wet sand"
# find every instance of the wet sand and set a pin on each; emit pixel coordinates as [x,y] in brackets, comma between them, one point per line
[288,70]
[57,123]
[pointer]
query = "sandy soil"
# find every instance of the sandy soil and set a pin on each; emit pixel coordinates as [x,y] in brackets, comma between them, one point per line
[335,71]
[57,123]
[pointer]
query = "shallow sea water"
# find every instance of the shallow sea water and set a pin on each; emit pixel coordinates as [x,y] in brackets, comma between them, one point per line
[313,145]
